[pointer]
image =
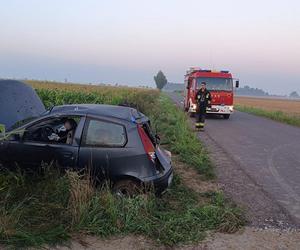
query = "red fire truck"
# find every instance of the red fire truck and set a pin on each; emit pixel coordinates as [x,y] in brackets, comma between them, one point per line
[220,85]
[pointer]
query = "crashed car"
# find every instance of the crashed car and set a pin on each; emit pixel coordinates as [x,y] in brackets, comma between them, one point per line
[116,142]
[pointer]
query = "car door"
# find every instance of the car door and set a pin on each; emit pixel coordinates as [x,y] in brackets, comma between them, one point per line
[3,151]
[102,142]
[31,152]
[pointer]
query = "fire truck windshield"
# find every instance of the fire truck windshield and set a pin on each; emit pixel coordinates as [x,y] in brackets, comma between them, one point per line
[215,83]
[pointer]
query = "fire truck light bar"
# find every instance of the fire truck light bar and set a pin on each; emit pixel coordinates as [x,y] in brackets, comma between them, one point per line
[197,69]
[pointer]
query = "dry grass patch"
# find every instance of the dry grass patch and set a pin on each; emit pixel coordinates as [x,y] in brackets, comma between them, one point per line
[290,107]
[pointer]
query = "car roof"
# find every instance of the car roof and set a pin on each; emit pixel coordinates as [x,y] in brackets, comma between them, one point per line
[112,111]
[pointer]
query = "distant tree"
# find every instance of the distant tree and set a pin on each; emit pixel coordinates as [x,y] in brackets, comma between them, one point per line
[248,91]
[160,80]
[294,94]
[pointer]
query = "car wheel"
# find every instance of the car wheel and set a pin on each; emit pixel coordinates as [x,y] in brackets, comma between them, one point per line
[226,117]
[127,188]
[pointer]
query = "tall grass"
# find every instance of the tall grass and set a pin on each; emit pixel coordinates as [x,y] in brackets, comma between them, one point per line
[172,123]
[273,115]
[48,208]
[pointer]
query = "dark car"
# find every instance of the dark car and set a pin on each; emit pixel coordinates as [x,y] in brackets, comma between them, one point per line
[115,142]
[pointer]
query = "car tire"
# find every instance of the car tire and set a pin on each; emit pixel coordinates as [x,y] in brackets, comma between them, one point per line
[226,117]
[127,188]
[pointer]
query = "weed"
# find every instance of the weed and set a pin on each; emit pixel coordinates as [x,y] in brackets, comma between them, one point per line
[53,206]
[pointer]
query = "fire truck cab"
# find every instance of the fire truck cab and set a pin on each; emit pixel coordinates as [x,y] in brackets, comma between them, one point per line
[220,85]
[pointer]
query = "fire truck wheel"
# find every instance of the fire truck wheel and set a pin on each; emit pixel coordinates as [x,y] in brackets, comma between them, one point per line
[226,117]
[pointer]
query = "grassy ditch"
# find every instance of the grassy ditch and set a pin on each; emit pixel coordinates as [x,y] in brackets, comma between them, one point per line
[172,124]
[273,115]
[49,208]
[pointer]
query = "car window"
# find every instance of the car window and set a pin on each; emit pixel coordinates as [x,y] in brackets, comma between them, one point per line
[100,133]
[53,130]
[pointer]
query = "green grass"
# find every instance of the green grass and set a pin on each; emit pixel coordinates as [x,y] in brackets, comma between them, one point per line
[273,115]
[49,208]
[173,125]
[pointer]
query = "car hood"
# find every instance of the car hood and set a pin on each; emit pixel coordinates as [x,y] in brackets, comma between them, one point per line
[18,101]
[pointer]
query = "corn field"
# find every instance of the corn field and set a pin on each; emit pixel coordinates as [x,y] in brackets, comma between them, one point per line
[53,94]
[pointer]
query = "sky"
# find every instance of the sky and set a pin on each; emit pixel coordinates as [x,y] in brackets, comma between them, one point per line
[128,41]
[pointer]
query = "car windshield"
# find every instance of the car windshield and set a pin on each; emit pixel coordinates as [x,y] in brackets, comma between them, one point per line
[215,83]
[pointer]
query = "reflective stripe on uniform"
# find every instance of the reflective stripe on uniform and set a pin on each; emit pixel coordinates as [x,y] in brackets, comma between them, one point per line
[199,124]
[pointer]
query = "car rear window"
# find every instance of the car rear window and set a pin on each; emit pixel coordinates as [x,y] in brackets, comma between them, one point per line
[100,133]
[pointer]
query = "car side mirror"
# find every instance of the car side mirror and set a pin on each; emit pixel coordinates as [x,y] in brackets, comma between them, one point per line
[237,83]
[13,137]
[17,137]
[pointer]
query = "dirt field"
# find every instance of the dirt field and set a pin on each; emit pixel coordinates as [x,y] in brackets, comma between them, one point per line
[291,107]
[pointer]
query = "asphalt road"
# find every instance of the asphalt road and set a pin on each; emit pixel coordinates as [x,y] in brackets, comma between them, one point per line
[268,152]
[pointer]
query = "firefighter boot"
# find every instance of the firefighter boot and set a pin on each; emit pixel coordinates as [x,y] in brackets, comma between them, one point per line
[199,126]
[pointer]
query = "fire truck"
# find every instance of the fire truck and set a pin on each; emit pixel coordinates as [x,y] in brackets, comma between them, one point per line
[220,85]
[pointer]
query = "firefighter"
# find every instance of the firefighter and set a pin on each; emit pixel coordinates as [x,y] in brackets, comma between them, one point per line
[203,100]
